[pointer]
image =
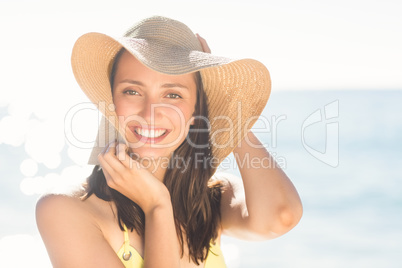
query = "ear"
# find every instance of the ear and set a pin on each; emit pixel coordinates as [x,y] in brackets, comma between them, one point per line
[192,121]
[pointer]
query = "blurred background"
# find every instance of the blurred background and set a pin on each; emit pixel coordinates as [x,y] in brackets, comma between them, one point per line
[333,122]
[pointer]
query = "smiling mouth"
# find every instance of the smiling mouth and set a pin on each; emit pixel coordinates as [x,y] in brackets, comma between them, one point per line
[149,135]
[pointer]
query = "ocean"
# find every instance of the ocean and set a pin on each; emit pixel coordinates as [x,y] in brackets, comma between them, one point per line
[341,148]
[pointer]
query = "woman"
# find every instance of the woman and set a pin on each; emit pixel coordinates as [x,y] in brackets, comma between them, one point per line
[172,113]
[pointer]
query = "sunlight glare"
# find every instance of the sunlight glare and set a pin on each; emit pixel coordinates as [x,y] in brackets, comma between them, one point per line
[69,180]
[13,130]
[45,142]
[14,253]
[29,167]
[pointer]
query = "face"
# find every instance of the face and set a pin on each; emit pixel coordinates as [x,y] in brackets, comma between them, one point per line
[154,109]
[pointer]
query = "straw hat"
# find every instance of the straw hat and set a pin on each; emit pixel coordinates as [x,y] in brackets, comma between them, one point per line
[237,90]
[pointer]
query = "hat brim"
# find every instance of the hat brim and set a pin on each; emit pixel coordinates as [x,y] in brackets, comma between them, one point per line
[237,90]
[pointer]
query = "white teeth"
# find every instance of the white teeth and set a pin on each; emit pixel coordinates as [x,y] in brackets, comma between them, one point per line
[150,133]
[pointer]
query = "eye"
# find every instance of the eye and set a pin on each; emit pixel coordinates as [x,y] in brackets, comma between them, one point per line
[173,96]
[130,92]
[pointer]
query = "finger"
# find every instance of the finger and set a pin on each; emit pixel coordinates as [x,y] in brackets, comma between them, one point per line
[128,160]
[106,149]
[112,178]
[121,152]
[106,168]
[204,44]
[111,159]
[111,149]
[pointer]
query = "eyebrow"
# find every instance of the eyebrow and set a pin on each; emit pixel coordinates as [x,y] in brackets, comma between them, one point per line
[167,85]
[134,82]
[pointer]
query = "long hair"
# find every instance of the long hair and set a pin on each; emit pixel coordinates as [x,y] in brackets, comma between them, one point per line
[195,199]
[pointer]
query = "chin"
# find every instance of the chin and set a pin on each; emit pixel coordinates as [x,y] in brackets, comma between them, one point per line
[149,153]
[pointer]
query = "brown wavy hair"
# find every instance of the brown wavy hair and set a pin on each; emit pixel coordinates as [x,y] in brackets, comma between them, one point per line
[195,198]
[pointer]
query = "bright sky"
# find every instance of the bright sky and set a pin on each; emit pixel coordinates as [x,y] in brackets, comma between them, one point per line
[344,44]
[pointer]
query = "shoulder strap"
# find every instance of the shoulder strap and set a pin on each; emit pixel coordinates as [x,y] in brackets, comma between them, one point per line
[127,253]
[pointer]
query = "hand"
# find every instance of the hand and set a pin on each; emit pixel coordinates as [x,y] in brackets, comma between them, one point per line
[204,44]
[131,179]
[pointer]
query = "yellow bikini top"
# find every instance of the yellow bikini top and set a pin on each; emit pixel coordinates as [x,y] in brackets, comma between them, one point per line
[132,259]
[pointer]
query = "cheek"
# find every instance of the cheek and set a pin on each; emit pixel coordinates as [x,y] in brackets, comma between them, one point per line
[126,113]
[118,106]
[124,108]
[179,114]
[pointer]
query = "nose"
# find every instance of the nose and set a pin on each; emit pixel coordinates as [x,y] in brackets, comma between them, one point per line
[149,111]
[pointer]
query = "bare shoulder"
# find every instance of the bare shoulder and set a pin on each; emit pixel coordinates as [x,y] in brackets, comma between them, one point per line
[71,232]
[55,207]
[56,198]
[62,206]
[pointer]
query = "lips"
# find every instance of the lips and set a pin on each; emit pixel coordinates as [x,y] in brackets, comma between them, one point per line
[149,135]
